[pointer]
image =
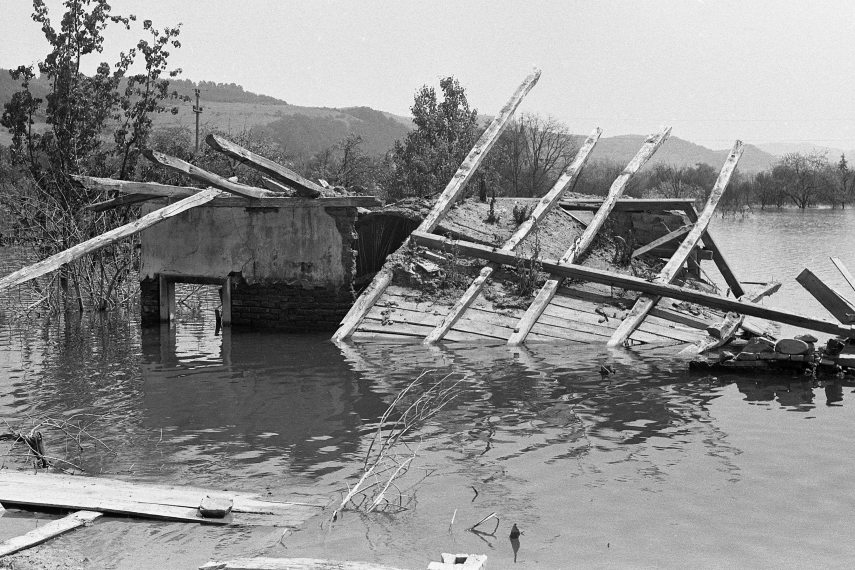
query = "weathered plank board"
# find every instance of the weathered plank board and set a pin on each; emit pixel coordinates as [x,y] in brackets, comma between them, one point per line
[636,284]
[834,302]
[59,259]
[96,184]
[844,271]
[674,266]
[444,203]
[291,564]
[671,236]
[209,178]
[631,204]
[47,531]
[547,292]
[146,500]
[303,186]
[547,202]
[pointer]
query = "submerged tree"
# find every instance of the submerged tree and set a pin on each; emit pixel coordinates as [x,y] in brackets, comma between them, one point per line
[80,112]
[424,162]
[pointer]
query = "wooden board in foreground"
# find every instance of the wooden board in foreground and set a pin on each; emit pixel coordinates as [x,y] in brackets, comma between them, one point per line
[291,564]
[47,531]
[145,500]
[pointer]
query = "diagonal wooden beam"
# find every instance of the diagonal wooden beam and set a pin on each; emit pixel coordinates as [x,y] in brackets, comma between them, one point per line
[718,257]
[669,237]
[544,206]
[452,191]
[96,184]
[59,259]
[206,177]
[303,186]
[672,269]
[834,302]
[574,271]
[47,531]
[547,292]
[119,201]
[843,271]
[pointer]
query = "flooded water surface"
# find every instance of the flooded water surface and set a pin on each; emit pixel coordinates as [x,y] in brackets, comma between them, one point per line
[646,467]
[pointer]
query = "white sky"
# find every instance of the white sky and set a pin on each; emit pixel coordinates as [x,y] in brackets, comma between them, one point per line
[716,70]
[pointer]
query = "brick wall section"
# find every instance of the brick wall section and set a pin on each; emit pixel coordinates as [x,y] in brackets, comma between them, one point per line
[291,307]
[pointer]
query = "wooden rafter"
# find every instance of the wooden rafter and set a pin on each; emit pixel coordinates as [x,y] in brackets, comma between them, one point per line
[843,271]
[718,257]
[574,271]
[209,178]
[96,184]
[59,259]
[451,193]
[547,292]
[303,186]
[675,265]
[630,204]
[669,237]
[544,206]
[834,302]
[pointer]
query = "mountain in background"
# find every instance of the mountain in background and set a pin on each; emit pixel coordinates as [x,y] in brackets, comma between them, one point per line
[780,149]
[303,131]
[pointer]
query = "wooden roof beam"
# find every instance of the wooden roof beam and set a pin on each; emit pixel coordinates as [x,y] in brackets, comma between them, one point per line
[547,292]
[205,177]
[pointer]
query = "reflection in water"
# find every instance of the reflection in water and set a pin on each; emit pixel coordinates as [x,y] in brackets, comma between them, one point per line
[648,466]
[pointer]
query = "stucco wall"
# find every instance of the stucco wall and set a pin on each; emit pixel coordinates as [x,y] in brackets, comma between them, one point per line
[301,244]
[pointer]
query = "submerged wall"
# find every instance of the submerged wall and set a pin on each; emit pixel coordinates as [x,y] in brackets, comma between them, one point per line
[292,267]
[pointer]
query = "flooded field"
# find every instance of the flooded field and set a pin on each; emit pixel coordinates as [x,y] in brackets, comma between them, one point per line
[649,467]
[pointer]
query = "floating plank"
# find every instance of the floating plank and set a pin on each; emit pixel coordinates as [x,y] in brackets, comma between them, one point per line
[291,564]
[447,199]
[145,500]
[843,271]
[671,236]
[303,186]
[544,206]
[675,265]
[834,302]
[47,531]
[206,177]
[57,260]
[547,292]
[573,271]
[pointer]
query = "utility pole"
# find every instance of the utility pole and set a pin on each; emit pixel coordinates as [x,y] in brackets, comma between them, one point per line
[198,110]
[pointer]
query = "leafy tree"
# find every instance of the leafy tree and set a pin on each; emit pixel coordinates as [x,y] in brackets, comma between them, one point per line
[802,177]
[80,111]
[445,130]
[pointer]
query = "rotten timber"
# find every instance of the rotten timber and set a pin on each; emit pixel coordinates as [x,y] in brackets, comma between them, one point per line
[302,186]
[59,259]
[544,206]
[547,292]
[47,531]
[675,265]
[834,302]
[205,177]
[449,195]
[573,271]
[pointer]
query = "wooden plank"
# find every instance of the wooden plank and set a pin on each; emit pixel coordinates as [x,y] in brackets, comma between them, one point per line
[630,204]
[96,184]
[573,271]
[227,201]
[672,269]
[449,195]
[547,292]
[671,236]
[119,201]
[47,531]
[303,186]
[834,302]
[718,257]
[291,564]
[209,178]
[544,206]
[843,271]
[57,260]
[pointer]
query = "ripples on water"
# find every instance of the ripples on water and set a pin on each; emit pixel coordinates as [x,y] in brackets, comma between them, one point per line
[649,467]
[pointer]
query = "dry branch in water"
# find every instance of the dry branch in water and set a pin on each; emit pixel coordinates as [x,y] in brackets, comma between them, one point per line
[385,464]
[74,430]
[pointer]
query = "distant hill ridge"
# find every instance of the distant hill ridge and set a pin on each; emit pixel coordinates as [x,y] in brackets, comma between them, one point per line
[303,131]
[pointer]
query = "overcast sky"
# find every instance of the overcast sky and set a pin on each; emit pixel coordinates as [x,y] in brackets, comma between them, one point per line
[761,71]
